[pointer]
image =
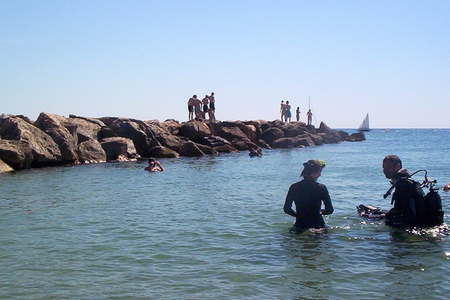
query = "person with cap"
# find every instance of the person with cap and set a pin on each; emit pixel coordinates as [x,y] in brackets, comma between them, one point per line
[308,196]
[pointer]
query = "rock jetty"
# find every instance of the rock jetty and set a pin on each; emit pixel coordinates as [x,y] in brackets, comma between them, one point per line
[54,140]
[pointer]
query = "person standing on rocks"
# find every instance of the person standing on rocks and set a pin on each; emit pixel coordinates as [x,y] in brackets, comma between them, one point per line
[197,108]
[297,114]
[212,107]
[308,196]
[287,114]
[282,110]
[309,114]
[191,108]
[205,102]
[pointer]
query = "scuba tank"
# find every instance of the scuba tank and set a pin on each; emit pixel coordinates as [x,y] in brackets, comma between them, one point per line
[428,207]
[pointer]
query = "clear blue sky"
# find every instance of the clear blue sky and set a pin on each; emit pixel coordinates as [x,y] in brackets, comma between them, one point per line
[143,59]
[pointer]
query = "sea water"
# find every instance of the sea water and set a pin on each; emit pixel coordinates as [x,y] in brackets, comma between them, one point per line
[214,228]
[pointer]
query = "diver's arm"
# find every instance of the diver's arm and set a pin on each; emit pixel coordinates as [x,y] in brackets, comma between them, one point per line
[288,204]
[327,202]
[159,165]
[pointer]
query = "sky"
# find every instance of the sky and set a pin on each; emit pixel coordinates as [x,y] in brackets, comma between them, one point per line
[144,59]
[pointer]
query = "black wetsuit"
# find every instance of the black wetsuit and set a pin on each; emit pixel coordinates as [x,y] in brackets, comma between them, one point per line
[407,194]
[308,196]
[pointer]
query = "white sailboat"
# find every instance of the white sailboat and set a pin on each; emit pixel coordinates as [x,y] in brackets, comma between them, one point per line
[365,124]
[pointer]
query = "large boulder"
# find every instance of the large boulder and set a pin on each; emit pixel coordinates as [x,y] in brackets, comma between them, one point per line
[91,151]
[165,136]
[356,137]
[17,154]
[244,145]
[83,128]
[172,126]
[311,129]
[271,134]
[232,134]
[317,139]
[195,130]
[292,130]
[105,132]
[293,142]
[331,137]
[213,141]
[142,135]
[237,130]
[53,125]
[91,120]
[252,129]
[207,149]
[161,151]
[344,135]
[324,127]
[4,168]
[225,149]
[116,146]
[45,152]
[190,149]
[263,144]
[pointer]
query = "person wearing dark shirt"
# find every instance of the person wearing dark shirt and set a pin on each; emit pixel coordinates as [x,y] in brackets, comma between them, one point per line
[308,196]
[407,193]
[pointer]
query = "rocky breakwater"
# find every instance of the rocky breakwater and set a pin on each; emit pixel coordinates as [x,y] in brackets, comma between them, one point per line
[54,140]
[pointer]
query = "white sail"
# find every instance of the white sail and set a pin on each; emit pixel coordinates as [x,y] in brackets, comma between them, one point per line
[365,124]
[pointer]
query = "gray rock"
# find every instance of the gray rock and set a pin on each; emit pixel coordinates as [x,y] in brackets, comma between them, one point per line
[53,125]
[356,137]
[232,134]
[91,151]
[45,152]
[292,142]
[324,128]
[207,150]
[271,134]
[17,154]
[195,130]
[190,149]
[83,129]
[116,146]
[225,149]
[4,168]
[142,135]
[213,141]
[161,151]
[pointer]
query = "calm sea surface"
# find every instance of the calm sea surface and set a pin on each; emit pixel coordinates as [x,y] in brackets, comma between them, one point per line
[213,228]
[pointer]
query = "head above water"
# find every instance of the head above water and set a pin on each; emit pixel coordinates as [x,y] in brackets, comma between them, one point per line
[312,169]
[151,161]
[391,165]
[195,96]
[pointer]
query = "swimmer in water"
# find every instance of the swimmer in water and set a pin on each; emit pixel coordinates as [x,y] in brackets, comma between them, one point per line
[255,151]
[154,166]
[447,187]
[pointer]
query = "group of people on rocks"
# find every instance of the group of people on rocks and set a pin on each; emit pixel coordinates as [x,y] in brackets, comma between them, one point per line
[286,115]
[410,203]
[199,109]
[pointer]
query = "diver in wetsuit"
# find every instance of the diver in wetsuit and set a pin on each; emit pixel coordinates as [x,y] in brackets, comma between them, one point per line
[407,195]
[308,196]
